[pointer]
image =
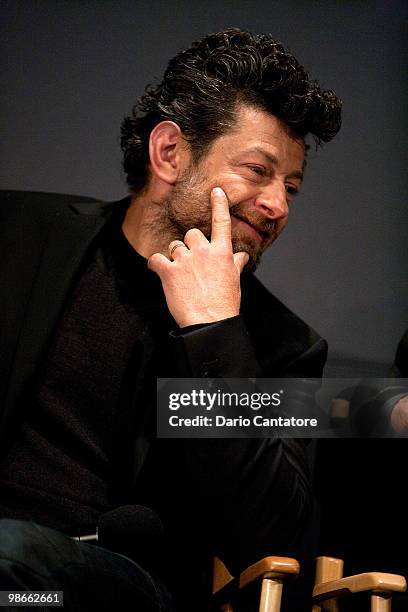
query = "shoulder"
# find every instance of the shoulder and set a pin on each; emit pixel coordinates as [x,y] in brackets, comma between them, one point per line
[32,214]
[43,205]
[35,224]
[281,339]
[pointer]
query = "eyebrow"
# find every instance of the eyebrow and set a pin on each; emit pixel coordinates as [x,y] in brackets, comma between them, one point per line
[296,174]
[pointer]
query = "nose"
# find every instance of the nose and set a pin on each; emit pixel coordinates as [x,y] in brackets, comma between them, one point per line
[273,201]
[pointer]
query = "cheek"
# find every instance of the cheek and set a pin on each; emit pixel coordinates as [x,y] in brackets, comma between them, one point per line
[238,191]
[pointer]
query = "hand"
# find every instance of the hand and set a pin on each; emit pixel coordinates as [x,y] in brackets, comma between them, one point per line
[202,284]
[399,415]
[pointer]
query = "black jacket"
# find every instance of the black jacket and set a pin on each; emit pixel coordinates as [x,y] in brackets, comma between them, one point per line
[241,498]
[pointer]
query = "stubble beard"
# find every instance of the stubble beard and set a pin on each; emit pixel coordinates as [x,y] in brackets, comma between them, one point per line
[189,206]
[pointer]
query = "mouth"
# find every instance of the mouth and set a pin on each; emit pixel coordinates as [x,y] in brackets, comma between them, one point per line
[254,230]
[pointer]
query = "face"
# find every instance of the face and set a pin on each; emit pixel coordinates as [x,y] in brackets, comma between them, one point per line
[259,165]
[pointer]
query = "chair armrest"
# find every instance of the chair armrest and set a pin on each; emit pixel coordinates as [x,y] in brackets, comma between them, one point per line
[270,572]
[269,567]
[369,581]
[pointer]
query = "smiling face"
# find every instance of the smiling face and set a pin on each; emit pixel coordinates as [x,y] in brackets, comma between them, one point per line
[259,165]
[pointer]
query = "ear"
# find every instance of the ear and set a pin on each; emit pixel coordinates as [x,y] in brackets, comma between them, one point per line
[165,151]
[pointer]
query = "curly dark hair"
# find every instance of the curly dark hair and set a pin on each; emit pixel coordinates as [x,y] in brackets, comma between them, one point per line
[203,85]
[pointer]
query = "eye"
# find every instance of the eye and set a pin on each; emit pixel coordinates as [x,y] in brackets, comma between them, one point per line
[291,190]
[260,170]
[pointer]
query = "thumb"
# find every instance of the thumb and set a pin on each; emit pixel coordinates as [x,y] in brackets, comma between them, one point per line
[240,260]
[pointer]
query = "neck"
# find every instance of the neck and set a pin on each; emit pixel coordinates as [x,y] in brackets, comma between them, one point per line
[143,226]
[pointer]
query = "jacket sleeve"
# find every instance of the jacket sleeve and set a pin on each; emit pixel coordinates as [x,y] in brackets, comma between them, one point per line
[225,349]
[221,349]
[254,494]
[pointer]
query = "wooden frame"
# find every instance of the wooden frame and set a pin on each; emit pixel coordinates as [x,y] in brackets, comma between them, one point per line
[270,571]
[330,586]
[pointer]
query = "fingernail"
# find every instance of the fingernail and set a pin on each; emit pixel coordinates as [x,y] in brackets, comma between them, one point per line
[218,191]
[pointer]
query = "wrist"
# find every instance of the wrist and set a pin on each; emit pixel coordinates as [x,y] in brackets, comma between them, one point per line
[206,319]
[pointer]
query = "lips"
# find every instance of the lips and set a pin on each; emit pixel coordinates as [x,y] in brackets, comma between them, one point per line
[255,229]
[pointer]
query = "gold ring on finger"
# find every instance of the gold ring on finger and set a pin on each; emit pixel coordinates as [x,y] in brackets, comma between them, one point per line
[176,246]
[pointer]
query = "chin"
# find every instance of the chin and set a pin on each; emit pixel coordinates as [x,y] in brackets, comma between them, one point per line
[252,248]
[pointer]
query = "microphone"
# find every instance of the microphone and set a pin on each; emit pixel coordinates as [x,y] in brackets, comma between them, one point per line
[133,531]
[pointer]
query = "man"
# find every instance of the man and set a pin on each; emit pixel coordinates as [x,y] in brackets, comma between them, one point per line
[109,297]
[378,407]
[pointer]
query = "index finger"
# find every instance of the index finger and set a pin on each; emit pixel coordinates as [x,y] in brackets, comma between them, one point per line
[220,217]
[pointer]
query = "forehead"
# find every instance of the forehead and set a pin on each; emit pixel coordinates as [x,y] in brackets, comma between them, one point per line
[258,130]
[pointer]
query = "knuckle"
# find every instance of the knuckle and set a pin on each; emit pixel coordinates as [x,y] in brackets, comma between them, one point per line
[225,251]
[194,232]
[222,219]
[202,248]
[153,260]
[155,263]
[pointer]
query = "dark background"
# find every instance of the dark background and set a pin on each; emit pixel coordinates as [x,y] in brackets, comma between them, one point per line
[72,69]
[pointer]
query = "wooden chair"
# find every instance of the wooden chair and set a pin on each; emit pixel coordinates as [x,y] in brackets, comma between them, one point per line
[330,585]
[270,573]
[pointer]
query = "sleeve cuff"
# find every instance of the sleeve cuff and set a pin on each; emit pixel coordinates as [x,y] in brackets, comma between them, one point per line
[214,350]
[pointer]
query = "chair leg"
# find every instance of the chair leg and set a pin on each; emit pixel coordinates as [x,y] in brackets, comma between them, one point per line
[330,605]
[381,602]
[271,595]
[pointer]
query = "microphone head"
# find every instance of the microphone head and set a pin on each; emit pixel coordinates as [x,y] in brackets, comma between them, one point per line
[133,531]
